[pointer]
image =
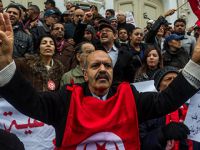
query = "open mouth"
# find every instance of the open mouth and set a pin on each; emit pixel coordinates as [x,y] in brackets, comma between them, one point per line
[48,50]
[12,19]
[104,38]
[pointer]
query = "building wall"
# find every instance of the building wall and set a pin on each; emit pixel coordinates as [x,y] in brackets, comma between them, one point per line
[186,13]
[25,3]
[152,8]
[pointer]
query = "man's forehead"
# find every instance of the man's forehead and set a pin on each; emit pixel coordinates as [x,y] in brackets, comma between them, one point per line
[99,56]
[79,11]
[59,25]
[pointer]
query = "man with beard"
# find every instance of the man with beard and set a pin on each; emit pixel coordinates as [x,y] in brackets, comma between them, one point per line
[188,42]
[65,52]
[32,17]
[95,114]
[23,42]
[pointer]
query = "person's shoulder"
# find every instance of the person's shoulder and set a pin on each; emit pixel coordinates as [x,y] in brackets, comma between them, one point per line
[67,75]
[58,63]
[70,86]
[10,141]
[189,37]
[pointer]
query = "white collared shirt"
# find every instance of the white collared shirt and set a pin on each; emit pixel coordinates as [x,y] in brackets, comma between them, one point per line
[113,53]
[102,98]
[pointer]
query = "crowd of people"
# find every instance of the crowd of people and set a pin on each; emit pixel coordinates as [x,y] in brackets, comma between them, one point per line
[72,71]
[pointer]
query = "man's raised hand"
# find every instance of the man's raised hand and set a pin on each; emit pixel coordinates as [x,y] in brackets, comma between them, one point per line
[196,52]
[6,40]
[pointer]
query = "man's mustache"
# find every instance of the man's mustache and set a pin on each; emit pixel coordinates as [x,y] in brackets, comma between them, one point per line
[102,75]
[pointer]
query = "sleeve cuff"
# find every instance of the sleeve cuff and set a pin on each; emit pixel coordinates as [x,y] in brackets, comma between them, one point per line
[191,72]
[7,73]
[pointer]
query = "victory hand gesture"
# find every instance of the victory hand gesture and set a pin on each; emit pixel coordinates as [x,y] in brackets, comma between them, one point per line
[6,40]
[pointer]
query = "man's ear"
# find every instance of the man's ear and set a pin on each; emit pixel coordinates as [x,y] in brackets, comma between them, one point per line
[78,57]
[85,75]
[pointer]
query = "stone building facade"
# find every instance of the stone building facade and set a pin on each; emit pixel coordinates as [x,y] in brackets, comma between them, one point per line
[142,9]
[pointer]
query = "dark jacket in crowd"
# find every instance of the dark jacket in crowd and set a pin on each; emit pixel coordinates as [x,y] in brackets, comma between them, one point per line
[37,32]
[148,75]
[69,30]
[66,55]
[129,27]
[137,56]
[150,135]
[79,34]
[176,59]
[23,42]
[150,37]
[52,108]
[9,141]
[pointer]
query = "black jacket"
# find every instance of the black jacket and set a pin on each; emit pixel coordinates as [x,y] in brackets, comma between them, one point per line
[150,37]
[23,42]
[176,59]
[129,27]
[52,108]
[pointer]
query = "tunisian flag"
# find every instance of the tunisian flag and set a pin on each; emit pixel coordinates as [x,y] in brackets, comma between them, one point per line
[195,5]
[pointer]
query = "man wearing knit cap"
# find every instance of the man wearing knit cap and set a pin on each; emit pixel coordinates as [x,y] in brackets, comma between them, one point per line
[113,22]
[164,77]
[150,131]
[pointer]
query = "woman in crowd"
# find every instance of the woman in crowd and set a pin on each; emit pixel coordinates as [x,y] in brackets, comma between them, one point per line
[41,69]
[137,47]
[152,62]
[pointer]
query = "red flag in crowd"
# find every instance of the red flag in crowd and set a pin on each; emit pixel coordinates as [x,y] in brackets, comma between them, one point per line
[197,23]
[195,5]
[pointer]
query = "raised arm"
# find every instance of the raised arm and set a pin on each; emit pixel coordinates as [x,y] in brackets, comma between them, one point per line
[151,105]
[46,107]
[6,40]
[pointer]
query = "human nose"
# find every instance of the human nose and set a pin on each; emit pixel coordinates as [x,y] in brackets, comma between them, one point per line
[60,29]
[10,13]
[150,56]
[48,44]
[102,67]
